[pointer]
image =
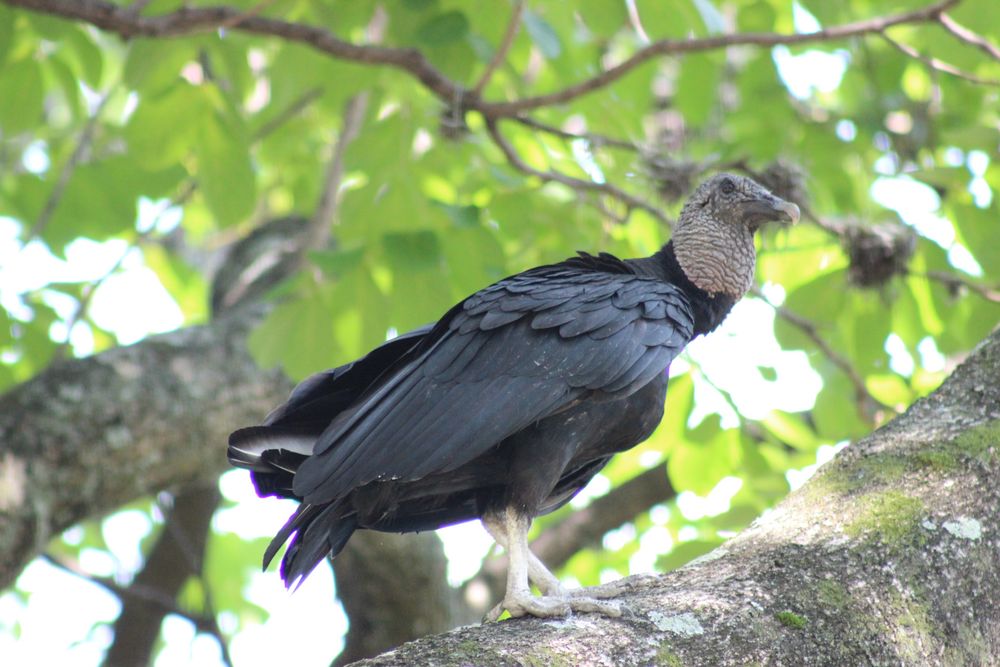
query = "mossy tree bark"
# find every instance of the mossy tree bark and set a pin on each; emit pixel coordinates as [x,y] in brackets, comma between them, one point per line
[889,555]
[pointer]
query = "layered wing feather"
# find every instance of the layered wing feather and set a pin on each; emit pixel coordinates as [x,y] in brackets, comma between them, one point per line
[510,355]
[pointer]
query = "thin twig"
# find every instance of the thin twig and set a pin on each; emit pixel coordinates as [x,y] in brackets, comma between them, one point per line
[59,189]
[592,138]
[294,109]
[87,293]
[953,281]
[939,65]
[969,37]
[323,217]
[501,53]
[868,405]
[577,184]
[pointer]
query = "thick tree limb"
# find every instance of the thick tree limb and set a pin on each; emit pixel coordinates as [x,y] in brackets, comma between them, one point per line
[89,435]
[889,555]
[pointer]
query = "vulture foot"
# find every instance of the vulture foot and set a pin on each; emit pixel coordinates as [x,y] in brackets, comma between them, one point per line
[553,606]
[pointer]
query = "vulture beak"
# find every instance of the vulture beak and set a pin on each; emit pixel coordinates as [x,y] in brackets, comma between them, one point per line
[769,209]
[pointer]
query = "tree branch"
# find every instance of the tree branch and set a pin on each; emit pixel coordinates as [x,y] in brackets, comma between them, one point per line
[969,37]
[938,65]
[930,13]
[593,139]
[188,20]
[150,598]
[191,20]
[502,49]
[869,407]
[317,234]
[955,282]
[82,145]
[577,184]
[88,435]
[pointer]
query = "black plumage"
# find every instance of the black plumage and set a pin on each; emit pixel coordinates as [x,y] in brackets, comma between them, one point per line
[502,410]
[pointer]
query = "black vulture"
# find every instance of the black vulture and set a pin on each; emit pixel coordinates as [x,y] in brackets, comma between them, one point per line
[509,404]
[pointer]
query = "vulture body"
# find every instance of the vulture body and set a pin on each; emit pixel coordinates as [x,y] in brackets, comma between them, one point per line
[508,405]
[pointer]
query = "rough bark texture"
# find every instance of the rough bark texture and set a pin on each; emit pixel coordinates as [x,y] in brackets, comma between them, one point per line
[89,435]
[889,555]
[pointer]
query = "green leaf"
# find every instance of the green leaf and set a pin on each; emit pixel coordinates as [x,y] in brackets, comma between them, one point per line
[224,171]
[791,430]
[154,64]
[21,96]
[697,88]
[296,336]
[542,34]
[7,18]
[709,457]
[163,130]
[443,28]
[100,199]
[412,251]
[757,17]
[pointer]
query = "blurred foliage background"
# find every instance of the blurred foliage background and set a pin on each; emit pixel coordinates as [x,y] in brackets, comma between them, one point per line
[152,155]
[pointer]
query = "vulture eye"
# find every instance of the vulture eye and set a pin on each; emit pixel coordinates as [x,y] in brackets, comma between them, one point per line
[727,186]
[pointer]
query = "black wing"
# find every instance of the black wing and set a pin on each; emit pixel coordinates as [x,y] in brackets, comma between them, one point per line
[510,355]
[274,450]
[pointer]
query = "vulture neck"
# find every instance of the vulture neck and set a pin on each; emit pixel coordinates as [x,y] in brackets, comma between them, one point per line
[717,257]
[708,309]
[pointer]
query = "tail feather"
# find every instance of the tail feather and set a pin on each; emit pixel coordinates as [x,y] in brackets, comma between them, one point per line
[315,531]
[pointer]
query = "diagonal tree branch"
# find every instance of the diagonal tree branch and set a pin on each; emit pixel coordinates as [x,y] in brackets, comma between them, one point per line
[577,184]
[596,140]
[969,37]
[502,49]
[177,555]
[868,406]
[82,146]
[938,65]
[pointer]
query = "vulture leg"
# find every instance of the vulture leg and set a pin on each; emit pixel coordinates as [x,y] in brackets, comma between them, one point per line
[538,574]
[518,599]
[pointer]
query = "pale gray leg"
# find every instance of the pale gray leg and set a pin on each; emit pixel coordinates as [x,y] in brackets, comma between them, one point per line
[538,574]
[518,599]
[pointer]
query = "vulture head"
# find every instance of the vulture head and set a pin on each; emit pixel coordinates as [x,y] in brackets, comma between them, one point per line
[713,239]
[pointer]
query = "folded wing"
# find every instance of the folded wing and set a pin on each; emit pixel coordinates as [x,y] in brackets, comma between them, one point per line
[512,354]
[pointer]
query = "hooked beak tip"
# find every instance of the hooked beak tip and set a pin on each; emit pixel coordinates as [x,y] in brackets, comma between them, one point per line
[790,210]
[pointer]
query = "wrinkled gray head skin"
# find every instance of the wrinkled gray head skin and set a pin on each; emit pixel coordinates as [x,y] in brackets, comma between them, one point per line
[713,240]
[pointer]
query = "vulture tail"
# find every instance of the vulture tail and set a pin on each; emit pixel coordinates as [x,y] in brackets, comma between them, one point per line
[272,454]
[315,531]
